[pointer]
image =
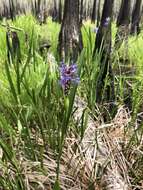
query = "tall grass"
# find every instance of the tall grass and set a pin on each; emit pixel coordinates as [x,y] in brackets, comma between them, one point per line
[35,114]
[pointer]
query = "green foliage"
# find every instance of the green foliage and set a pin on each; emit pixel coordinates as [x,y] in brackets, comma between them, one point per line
[33,105]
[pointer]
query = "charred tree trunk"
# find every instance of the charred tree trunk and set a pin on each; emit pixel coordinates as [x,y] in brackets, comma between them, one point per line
[60,12]
[123,32]
[98,13]
[33,8]
[45,12]
[81,12]
[93,17]
[136,16]
[123,22]
[38,7]
[12,9]
[89,10]
[104,28]
[103,45]
[70,39]
[124,14]
[84,11]
[55,12]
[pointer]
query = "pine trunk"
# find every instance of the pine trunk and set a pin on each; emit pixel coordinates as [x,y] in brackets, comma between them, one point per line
[93,17]
[103,44]
[98,13]
[123,22]
[60,12]
[136,16]
[70,39]
[81,12]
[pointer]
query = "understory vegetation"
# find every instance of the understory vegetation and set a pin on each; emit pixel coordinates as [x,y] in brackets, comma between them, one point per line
[54,135]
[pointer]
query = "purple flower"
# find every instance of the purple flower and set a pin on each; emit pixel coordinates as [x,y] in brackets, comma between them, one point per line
[95,30]
[68,76]
[107,21]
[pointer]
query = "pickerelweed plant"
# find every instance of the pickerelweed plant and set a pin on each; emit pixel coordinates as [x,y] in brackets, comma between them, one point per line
[68,82]
[68,76]
[35,103]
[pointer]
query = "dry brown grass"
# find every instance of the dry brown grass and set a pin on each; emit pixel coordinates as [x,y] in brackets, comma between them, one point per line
[97,161]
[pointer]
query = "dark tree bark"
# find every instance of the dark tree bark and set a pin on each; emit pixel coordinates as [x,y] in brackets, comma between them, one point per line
[136,16]
[104,28]
[124,14]
[33,8]
[89,10]
[70,39]
[84,11]
[45,12]
[93,17]
[103,45]
[12,9]
[37,8]
[60,12]
[55,12]
[81,12]
[123,22]
[98,12]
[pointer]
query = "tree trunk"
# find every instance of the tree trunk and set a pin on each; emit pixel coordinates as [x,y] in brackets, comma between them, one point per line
[60,12]
[81,12]
[124,14]
[55,11]
[104,33]
[103,44]
[12,9]
[89,10]
[38,7]
[136,16]
[70,39]
[45,12]
[123,22]
[93,17]
[98,13]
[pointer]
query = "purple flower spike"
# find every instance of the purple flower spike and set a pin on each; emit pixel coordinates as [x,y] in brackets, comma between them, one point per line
[107,21]
[68,76]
